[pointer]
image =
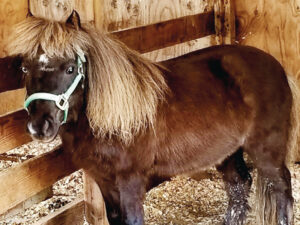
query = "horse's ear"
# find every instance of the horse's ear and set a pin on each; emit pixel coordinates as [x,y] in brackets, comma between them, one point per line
[11,76]
[74,20]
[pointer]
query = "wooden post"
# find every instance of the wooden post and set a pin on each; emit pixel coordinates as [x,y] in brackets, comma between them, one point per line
[219,13]
[95,212]
[11,12]
[60,10]
[229,22]
[57,10]
[224,21]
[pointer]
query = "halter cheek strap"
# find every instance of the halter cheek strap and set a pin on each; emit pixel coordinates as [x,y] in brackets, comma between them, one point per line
[62,100]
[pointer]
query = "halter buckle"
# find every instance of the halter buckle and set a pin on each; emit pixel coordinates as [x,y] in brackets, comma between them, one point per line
[62,102]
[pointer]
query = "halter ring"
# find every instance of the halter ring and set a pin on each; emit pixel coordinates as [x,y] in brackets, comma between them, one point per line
[62,102]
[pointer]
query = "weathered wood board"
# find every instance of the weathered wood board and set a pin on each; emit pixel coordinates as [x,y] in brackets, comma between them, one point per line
[11,12]
[31,177]
[168,33]
[118,14]
[13,131]
[41,196]
[70,214]
[12,101]
[273,26]
[60,10]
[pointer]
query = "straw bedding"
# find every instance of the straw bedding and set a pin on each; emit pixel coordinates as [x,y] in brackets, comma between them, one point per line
[182,201]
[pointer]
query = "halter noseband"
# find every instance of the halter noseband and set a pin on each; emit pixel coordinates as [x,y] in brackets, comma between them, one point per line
[61,100]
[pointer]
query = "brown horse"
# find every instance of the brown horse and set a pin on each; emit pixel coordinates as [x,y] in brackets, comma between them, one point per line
[132,123]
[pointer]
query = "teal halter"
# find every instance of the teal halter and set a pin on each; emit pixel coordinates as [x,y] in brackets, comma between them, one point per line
[61,100]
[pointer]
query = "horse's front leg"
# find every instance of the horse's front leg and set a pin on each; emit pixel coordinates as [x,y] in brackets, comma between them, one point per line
[132,192]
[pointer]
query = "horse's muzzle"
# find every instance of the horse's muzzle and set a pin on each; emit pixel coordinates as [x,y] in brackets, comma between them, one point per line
[43,130]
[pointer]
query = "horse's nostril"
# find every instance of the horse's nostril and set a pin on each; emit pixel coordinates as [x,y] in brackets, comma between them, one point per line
[39,127]
[45,126]
[31,129]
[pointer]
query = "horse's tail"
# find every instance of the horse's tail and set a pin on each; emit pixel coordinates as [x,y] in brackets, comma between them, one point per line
[266,205]
[294,134]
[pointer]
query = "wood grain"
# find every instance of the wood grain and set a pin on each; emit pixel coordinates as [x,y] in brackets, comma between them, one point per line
[41,196]
[118,14]
[12,130]
[168,33]
[11,12]
[229,22]
[70,214]
[60,10]
[94,204]
[12,101]
[273,26]
[11,78]
[224,21]
[219,19]
[31,177]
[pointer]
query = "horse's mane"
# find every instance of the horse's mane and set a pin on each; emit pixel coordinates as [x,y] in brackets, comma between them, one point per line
[124,88]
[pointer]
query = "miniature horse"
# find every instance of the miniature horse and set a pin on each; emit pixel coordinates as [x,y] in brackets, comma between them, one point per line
[131,124]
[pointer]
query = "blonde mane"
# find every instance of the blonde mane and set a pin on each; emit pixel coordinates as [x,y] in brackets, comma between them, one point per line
[124,88]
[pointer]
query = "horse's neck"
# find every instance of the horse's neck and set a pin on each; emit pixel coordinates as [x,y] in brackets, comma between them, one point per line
[75,131]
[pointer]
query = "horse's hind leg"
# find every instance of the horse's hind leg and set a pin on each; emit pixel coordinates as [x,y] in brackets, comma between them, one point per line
[275,202]
[274,192]
[237,183]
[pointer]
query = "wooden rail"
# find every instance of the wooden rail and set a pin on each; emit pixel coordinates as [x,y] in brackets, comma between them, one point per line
[29,178]
[12,126]
[70,214]
[168,33]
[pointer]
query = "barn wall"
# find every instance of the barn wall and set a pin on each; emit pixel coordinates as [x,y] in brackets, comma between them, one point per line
[113,15]
[11,12]
[273,26]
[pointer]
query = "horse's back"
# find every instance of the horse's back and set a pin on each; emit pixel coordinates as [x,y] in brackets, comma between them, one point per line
[246,68]
[231,77]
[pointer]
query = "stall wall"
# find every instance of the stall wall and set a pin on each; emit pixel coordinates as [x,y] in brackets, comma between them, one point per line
[273,26]
[11,12]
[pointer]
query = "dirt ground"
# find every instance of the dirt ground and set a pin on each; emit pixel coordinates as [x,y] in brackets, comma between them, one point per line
[182,201]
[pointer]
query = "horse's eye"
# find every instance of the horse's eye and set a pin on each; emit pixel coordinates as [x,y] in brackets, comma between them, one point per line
[24,69]
[70,70]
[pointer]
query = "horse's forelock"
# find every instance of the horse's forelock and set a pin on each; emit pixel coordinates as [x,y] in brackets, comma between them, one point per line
[34,35]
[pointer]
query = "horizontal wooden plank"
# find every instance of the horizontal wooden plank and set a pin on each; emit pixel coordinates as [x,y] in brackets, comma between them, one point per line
[41,196]
[164,34]
[12,130]
[12,101]
[72,213]
[11,76]
[29,178]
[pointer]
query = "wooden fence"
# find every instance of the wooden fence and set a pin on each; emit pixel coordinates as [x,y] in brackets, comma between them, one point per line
[196,24]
